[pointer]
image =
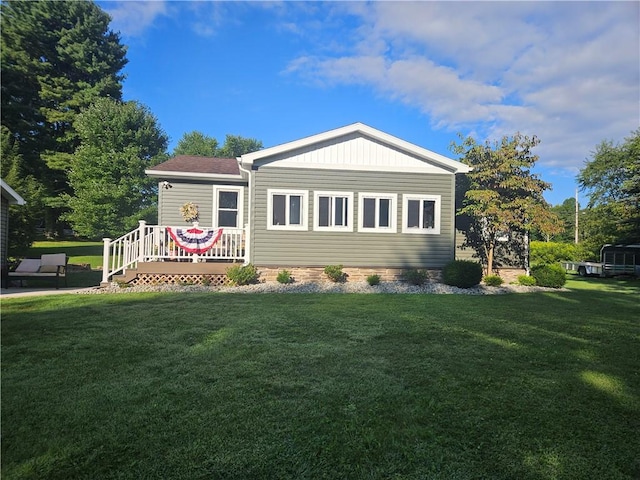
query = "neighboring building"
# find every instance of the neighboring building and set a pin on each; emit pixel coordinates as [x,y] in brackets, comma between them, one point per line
[354,196]
[9,197]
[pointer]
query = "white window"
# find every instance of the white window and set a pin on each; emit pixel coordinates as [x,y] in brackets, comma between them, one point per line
[333,211]
[287,209]
[227,207]
[421,214]
[377,212]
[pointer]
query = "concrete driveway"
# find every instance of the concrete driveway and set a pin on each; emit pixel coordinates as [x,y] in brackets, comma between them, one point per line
[13,292]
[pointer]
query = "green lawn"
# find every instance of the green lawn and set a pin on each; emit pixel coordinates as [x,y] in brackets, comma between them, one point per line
[78,251]
[224,386]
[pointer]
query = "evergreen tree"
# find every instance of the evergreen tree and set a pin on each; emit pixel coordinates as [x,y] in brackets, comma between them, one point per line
[57,58]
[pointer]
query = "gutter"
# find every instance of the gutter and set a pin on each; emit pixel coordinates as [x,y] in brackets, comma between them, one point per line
[247,241]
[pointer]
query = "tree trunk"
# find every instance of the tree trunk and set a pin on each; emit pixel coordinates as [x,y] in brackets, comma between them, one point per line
[490,250]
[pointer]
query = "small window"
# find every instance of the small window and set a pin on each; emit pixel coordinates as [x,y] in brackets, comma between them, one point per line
[287,209]
[421,214]
[333,211]
[377,212]
[227,207]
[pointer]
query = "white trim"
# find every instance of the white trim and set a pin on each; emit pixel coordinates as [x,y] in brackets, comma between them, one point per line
[192,175]
[11,195]
[333,195]
[437,214]
[426,155]
[393,211]
[228,188]
[304,213]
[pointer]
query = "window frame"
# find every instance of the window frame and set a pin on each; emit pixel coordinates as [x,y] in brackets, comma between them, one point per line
[216,199]
[304,210]
[437,214]
[393,212]
[333,195]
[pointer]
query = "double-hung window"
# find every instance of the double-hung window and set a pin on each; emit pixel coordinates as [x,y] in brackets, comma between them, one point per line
[287,209]
[333,211]
[377,212]
[228,207]
[421,214]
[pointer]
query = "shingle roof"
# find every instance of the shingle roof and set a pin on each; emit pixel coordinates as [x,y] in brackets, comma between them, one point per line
[195,164]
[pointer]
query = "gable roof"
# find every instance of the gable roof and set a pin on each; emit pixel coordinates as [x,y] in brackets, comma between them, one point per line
[10,194]
[417,154]
[192,166]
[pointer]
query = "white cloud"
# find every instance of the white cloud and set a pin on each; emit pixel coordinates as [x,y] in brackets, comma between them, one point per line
[568,72]
[133,18]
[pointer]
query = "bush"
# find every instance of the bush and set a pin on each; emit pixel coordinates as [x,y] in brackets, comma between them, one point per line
[546,253]
[373,280]
[493,280]
[415,276]
[242,275]
[526,281]
[335,273]
[284,276]
[549,275]
[462,273]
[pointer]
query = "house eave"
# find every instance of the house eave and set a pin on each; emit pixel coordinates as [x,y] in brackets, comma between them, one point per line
[11,195]
[193,175]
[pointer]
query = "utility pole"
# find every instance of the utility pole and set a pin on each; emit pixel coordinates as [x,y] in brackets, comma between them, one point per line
[577,215]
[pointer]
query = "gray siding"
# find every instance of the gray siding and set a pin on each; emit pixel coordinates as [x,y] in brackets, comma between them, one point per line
[170,201]
[353,249]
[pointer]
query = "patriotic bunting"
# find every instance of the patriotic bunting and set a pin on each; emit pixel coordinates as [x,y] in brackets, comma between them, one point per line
[194,239]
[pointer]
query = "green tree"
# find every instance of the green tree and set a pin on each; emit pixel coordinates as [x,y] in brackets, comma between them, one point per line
[235,145]
[196,143]
[57,58]
[110,189]
[611,179]
[503,196]
[566,212]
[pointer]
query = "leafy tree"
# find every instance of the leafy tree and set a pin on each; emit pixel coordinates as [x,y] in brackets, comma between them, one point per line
[612,180]
[111,191]
[196,143]
[235,145]
[503,196]
[57,58]
[21,218]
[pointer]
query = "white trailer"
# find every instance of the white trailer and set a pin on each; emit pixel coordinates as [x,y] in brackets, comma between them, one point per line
[614,260]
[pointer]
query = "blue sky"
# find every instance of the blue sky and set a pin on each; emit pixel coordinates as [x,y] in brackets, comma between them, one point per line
[568,72]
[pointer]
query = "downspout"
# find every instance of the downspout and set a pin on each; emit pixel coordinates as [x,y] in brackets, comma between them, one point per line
[247,240]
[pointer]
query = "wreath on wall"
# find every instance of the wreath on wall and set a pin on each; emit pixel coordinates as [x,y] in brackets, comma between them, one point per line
[190,212]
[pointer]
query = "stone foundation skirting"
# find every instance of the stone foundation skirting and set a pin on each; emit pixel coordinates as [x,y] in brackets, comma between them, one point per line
[354,274]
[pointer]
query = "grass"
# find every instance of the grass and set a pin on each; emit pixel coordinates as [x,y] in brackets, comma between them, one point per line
[215,386]
[78,251]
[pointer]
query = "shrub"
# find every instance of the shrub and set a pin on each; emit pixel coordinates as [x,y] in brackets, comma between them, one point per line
[493,280]
[335,273]
[284,276]
[462,273]
[543,253]
[526,281]
[373,280]
[549,275]
[242,275]
[206,280]
[415,276]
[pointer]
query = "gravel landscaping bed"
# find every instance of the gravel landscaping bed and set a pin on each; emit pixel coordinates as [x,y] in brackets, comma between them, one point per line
[326,287]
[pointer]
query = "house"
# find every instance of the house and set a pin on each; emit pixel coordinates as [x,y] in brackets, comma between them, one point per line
[354,196]
[9,197]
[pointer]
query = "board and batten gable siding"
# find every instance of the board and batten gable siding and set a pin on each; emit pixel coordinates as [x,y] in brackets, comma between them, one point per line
[170,201]
[351,249]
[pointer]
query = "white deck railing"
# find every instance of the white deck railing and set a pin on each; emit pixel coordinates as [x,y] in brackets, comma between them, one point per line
[152,243]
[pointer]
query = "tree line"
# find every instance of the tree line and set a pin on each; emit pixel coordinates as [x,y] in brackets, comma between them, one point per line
[70,145]
[77,152]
